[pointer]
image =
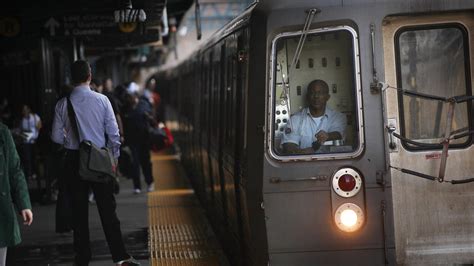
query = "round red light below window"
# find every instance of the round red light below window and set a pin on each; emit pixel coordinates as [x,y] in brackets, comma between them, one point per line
[346,182]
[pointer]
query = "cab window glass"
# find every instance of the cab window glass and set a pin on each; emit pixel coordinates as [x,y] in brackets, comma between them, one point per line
[316,114]
[432,61]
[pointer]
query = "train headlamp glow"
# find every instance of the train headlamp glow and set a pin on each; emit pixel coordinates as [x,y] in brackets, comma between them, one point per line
[349,217]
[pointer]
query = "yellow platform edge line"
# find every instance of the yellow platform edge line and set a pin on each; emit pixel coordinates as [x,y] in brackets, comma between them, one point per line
[177,234]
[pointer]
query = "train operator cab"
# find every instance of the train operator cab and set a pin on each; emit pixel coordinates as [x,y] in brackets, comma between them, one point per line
[330,55]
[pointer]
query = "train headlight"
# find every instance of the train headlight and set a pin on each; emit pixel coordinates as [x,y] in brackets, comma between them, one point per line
[346,182]
[349,217]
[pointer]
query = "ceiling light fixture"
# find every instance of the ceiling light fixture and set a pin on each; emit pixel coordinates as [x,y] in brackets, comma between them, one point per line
[128,14]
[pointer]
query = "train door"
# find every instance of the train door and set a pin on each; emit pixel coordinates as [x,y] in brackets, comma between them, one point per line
[197,131]
[214,134]
[429,121]
[228,138]
[206,127]
[221,93]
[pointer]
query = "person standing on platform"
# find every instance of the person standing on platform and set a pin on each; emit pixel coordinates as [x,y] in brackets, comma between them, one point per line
[5,113]
[29,128]
[13,190]
[108,90]
[136,124]
[63,202]
[96,123]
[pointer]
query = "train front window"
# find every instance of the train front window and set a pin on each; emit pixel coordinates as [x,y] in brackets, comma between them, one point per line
[316,100]
[432,61]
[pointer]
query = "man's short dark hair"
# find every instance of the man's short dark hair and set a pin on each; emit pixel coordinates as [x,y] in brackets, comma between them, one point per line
[319,82]
[80,71]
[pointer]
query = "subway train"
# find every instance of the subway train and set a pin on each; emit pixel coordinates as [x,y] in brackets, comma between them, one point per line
[393,187]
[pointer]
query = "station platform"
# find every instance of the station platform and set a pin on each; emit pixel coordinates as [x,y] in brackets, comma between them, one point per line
[163,227]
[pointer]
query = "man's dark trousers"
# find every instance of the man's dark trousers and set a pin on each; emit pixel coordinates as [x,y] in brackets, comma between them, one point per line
[103,193]
[141,157]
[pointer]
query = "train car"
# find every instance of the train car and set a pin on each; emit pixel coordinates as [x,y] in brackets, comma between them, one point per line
[353,172]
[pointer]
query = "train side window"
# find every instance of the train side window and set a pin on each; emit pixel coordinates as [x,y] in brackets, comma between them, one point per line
[433,60]
[316,107]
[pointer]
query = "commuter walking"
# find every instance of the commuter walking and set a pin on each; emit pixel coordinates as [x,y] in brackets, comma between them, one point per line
[13,190]
[56,170]
[136,125]
[29,128]
[5,112]
[108,90]
[95,122]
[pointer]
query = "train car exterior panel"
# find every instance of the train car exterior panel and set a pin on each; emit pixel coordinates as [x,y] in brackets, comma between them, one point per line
[321,213]
[287,209]
[300,235]
[374,153]
[352,257]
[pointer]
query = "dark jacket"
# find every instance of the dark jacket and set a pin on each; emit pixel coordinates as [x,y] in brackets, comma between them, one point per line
[13,190]
[136,124]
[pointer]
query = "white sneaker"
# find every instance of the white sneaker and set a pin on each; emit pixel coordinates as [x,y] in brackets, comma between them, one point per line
[129,262]
[137,191]
[151,187]
[91,197]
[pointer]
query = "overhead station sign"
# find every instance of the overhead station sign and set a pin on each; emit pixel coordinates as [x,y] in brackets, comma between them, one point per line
[86,25]
[94,29]
[99,29]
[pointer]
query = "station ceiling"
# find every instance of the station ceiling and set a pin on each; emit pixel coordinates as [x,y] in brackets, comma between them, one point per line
[89,20]
[153,8]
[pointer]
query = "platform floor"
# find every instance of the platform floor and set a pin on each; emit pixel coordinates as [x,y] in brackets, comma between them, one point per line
[179,233]
[164,227]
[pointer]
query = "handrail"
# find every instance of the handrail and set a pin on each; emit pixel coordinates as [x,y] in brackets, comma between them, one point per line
[456,99]
[416,143]
[462,135]
[433,178]
[448,136]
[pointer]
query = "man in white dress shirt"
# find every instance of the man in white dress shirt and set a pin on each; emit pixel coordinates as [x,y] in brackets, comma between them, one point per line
[312,126]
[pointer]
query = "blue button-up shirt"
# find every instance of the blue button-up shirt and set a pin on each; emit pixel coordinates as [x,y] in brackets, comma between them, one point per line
[95,118]
[304,127]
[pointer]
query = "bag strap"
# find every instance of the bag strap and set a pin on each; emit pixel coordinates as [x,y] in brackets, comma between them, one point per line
[72,118]
[74,123]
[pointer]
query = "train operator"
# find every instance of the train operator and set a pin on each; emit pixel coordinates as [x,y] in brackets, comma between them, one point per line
[311,127]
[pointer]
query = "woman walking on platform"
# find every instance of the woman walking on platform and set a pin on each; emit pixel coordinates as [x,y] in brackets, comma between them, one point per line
[13,191]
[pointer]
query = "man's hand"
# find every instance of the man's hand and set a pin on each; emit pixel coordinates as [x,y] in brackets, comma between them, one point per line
[27,216]
[291,148]
[115,166]
[322,136]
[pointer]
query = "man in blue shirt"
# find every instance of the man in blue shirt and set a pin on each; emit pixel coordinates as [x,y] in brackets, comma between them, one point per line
[96,123]
[311,127]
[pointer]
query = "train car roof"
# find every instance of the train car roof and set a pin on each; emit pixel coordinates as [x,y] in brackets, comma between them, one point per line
[228,28]
[268,6]
[427,5]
